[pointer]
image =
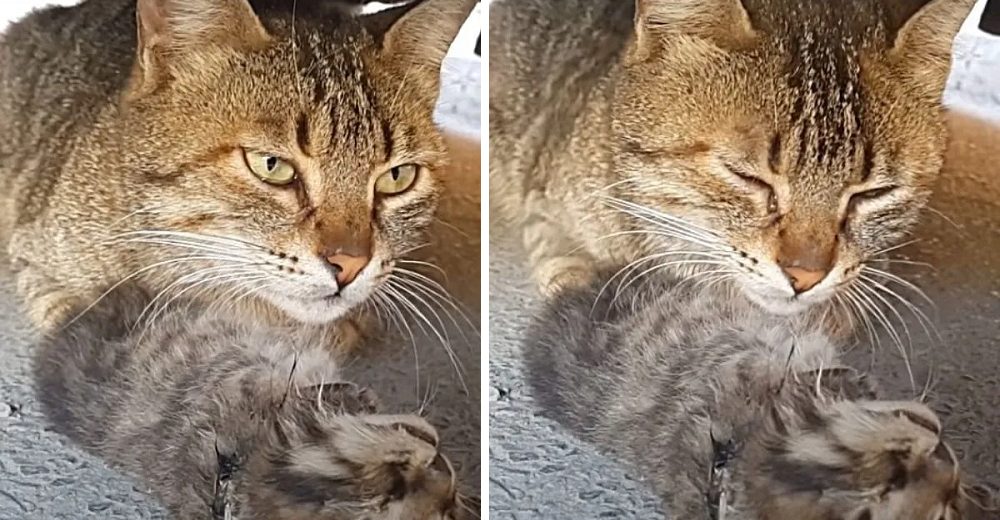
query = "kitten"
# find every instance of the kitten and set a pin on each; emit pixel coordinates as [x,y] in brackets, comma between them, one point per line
[277,152]
[221,418]
[778,146]
[725,408]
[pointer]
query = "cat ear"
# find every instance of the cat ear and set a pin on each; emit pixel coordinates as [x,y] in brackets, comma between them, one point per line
[167,28]
[420,33]
[923,43]
[725,23]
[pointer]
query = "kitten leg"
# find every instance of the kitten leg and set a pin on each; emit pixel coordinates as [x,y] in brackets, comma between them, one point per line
[334,454]
[558,262]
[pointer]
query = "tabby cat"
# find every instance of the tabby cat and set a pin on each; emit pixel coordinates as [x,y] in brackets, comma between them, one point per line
[226,420]
[774,146]
[282,150]
[729,411]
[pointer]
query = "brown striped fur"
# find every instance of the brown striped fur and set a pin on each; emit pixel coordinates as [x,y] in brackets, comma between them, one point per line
[778,144]
[122,129]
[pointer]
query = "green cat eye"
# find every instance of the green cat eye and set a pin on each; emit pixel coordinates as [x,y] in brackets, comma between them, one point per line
[270,169]
[397,180]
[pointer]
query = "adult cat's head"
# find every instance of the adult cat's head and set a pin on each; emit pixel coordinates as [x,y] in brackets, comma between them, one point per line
[288,144]
[795,139]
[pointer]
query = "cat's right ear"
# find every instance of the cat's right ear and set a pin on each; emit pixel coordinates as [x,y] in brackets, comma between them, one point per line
[723,23]
[417,36]
[170,29]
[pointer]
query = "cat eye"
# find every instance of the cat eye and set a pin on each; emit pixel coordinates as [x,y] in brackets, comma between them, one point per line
[270,169]
[872,194]
[397,180]
[757,183]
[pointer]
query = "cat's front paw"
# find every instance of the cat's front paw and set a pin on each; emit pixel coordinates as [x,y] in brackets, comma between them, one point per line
[559,274]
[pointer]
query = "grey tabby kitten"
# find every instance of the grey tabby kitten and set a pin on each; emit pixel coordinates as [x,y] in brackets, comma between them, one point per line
[236,421]
[732,412]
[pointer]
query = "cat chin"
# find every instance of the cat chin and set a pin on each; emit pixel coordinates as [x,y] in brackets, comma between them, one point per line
[314,311]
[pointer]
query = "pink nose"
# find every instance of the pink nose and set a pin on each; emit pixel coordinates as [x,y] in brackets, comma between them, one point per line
[348,267]
[803,279]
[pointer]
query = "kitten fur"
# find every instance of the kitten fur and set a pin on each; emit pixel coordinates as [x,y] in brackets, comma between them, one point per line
[122,130]
[781,145]
[659,375]
[172,403]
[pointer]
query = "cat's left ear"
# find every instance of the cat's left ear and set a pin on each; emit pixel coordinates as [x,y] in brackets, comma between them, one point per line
[922,45]
[419,34]
[169,31]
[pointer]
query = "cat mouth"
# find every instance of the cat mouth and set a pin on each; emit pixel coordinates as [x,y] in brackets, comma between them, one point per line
[781,305]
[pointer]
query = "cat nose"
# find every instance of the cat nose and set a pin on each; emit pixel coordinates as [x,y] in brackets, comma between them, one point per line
[803,279]
[347,267]
[806,256]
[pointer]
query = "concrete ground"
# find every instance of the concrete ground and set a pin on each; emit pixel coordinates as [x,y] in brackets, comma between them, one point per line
[43,477]
[537,471]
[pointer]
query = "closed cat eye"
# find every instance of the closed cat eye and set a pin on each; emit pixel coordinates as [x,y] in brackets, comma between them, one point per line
[397,180]
[270,169]
[758,183]
[872,194]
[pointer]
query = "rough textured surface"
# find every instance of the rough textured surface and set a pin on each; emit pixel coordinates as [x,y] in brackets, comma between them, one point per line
[42,477]
[537,471]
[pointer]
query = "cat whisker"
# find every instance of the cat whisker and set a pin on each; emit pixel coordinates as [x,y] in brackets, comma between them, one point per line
[453,227]
[186,235]
[662,217]
[866,287]
[400,292]
[156,308]
[461,503]
[241,291]
[925,322]
[897,246]
[676,231]
[631,266]
[200,285]
[444,275]
[859,311]
[943,217]
[675,263]
[709,279]
[414,249]
[137,212]
[437,291]
[429,396]
[719,253]
[203,248]
[137,273]
[907,262]
[880,315]
[398,320]
[901,281]
[435,298]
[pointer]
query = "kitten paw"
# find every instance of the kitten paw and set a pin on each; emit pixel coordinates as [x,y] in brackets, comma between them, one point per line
[363,466]
[344,398]
[556,275]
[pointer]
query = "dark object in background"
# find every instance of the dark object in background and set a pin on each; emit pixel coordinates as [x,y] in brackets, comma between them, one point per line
[990,22]
[479,45]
